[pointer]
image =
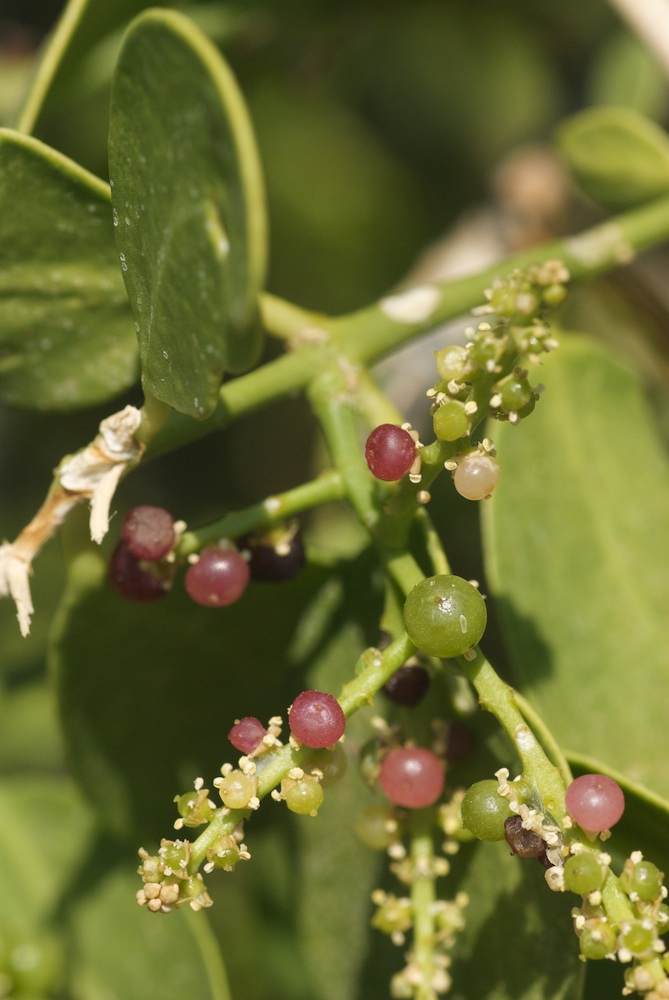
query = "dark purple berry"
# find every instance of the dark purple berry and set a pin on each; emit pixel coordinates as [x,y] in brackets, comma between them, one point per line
[408,685]
[136,580]
[276,555]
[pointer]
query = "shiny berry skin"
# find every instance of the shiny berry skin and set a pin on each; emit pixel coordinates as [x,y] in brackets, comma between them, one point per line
[445,616]
[407,686]
[450,421]
[304,797]
[583,873]
[390,452]
[247,734]
[645,880]
[134,580]
[218,578]
[412,777]
[484,811]
[148,531]
[316,719]
[595,801]
[476,476]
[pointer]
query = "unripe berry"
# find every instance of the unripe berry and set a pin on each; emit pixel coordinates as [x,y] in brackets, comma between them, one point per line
[476,476]
[484,811]
[445,615]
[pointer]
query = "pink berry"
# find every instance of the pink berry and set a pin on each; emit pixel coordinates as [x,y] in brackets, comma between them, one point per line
[595,801]
[390,452]
[148,531]
[412,777]
[316,719]
[218,578]
[247,734]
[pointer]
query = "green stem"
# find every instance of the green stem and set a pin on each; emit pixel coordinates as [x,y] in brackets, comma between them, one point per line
[615,902]
[423,896]
[373,670]
[274,509]
[498,698]
[331,397]
[370,334]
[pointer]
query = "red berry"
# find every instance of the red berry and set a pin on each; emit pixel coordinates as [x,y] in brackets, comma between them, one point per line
[134,580]
[218,578]
[595,801]
[412,777]
[316,719]
[247,734]
[390,452]
[148,531]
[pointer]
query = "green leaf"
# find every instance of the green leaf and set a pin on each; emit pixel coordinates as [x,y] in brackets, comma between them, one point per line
[188,210]
[618,157]
[46,830]
[66,337]
[518,942]
[148,692]
[577,546]
[81,24]
[120,950]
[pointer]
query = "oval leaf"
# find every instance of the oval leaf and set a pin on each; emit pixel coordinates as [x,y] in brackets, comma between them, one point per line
[617,157]
[120,950]
[188,210]
[577,540]
[66,337]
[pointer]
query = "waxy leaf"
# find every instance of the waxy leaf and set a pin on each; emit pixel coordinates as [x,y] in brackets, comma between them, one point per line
[518,942]
[120,950]
[577,543]
[188,210]
[617,157]
[66,336]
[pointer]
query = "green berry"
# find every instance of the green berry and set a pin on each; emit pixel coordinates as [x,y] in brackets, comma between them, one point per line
[554,295]
[484,810]
[305,797]
[452,362]
[597,940]
[645,880]
[515,393]
[376,826]
[583,873]
[236,789]
[638,937]
[331,763]
[450,421]
[445,616]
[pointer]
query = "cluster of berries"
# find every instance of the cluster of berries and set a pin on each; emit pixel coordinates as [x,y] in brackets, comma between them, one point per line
[144,562]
